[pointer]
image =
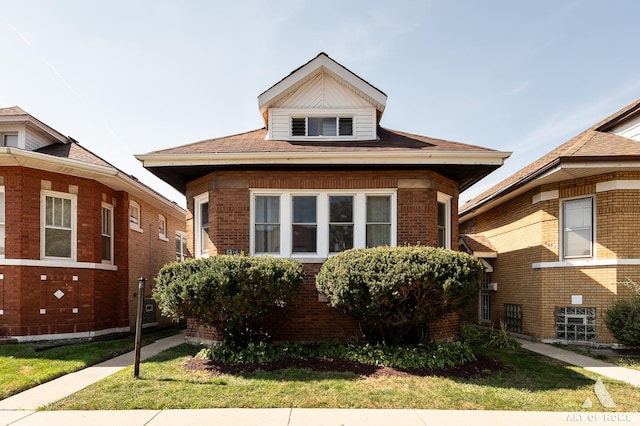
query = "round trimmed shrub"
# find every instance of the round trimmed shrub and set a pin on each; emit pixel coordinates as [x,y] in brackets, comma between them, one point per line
[235,294]
[396,291]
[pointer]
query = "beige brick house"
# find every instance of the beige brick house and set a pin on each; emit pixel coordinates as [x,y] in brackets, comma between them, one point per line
[322,176]
[76,233]
[560,236]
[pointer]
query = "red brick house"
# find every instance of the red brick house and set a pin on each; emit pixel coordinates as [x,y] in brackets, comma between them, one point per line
[322,176]
[559,237]
[76,233]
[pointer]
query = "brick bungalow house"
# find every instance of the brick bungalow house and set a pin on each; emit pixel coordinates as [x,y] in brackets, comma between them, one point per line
[559,236]
[322,176]
[76,233]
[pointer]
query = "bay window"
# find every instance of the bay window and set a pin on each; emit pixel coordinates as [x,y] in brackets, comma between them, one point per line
[316,225]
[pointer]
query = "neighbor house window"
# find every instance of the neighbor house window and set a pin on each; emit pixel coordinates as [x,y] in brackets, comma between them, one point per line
[107,233]
[135,221]
[295,223]
[201,225]
[10,139]
[322,126]
[181,246]
[577,228]
[162,228]
[58,225]
[267,224]
[444,220]
[2,216]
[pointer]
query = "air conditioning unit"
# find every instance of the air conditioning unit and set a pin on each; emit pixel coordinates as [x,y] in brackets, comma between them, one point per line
[492,286]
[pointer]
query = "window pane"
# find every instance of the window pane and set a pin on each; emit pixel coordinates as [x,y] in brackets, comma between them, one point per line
[346,126]
[341,209]
[2,239]
[378,235]
[267,238]
[10,140]
[379,209]
[57,242]
[322,126]
[66,212]
[106,247]
[442,214]
[267,209]
[304,209]
[304,238]
[340,238]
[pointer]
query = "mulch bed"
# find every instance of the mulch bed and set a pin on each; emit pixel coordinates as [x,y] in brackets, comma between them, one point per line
[482,367]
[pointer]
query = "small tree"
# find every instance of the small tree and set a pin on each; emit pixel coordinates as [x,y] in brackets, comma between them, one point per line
[396,291]
[235,294]
[623,317]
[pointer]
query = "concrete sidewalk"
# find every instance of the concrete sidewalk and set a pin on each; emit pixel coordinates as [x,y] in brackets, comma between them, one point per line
[20,409]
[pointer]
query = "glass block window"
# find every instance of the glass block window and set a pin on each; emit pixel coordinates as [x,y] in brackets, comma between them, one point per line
[576,324]
[513,318]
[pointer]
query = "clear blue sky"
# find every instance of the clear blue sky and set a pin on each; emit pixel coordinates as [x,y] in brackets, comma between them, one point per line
[130,77]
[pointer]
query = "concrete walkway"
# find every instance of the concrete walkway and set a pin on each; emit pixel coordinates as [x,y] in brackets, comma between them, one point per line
[20,409]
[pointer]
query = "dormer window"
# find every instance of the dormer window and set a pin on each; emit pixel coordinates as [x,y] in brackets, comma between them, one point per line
[9,139]
[321,126]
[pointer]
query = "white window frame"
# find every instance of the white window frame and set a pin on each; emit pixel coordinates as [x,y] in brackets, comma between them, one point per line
[109,208]
[74,223]
[3,139]
[162,228]
[135,216]
[563,230]
[181,253]
[336,115]
[286,219]
[198,201]
[3,217]
[446,200]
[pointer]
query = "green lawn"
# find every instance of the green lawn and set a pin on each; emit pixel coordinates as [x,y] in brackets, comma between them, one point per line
[25,365]
[533,383]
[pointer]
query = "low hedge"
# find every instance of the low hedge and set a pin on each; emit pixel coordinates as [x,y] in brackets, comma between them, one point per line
[395,292]
[235,294]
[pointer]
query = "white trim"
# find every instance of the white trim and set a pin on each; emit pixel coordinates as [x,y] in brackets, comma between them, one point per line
[286,220]
[487,265]
[111,236]
[198,200]
[137,224]
[545,196]
[81,335]
[586,263]
[162,233]
[3,224]
[57,263]
[44,193]
[614,185]
[593,227]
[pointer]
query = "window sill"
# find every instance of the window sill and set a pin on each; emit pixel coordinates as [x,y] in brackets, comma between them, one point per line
[163,238]
[136,228]
[585,263]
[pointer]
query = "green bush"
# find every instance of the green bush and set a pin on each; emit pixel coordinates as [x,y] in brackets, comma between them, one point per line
[414,357]
[235,294]
[485,337]
[396,291]
[623,317]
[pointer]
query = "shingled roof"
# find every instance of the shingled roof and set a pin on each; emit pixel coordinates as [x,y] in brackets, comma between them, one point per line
[596,144]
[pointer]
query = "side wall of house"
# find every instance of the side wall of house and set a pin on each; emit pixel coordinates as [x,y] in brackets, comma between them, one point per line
[529,270]
[308,317]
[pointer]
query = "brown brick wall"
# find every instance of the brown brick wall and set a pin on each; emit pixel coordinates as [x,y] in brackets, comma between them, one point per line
[525,233]
[307,319]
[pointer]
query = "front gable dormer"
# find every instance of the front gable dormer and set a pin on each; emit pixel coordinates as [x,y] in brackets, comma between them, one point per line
[322,101]
[18,129]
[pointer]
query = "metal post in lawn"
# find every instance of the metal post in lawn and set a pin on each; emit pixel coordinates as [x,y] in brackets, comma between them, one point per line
[136,366]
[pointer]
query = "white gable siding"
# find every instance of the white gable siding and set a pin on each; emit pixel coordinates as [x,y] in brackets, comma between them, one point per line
[35,140]
[322,95]
[629,129]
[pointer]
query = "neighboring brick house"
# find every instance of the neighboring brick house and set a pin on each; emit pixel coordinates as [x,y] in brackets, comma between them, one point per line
[76,233]
[561,235]
[321,177]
